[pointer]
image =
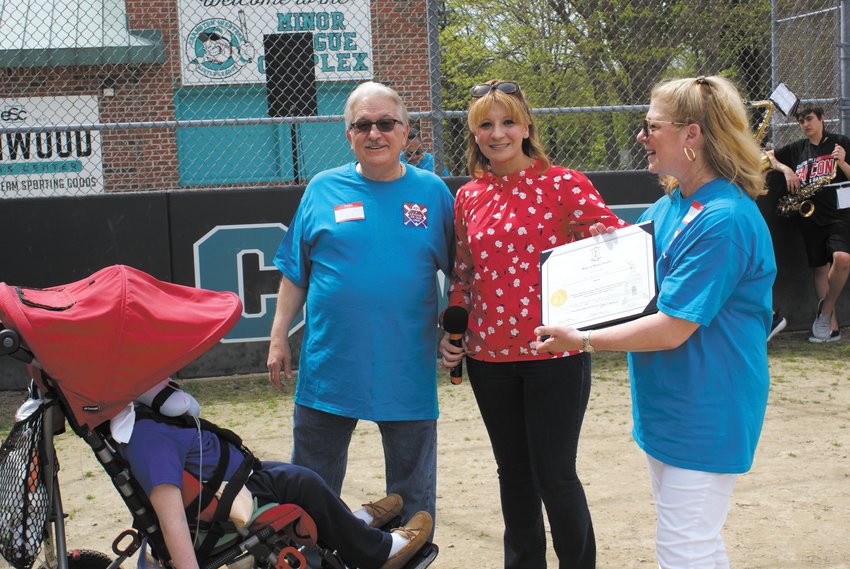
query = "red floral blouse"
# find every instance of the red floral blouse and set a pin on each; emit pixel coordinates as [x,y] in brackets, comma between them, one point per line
[502,224]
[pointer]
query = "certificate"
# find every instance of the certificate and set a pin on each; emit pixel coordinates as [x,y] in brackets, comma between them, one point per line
[600,280]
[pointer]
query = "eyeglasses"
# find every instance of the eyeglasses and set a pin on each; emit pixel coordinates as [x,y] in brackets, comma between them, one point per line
[649,125]
[508,87]
[384,125]
[409,154]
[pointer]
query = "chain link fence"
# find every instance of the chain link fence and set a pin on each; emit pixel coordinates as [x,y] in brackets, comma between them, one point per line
[133,95]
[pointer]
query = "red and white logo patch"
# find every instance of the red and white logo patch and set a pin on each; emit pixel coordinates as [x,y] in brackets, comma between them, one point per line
[415,215]
[349,212]
[693,211]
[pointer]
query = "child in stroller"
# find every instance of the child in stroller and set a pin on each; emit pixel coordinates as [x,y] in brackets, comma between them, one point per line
[159,453]
[95,346]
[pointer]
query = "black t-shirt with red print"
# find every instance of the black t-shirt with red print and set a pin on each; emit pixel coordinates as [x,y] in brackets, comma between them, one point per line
[813,163]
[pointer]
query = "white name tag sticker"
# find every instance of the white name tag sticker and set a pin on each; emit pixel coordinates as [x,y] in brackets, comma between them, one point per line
[349,212]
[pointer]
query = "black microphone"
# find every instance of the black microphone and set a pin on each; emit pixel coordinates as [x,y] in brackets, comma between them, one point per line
[455,322]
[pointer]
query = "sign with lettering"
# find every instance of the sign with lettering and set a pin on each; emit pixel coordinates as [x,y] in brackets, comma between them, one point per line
[221,41]
[37,163]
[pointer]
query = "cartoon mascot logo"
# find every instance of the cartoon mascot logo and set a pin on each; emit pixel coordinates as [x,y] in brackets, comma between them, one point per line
[218,48]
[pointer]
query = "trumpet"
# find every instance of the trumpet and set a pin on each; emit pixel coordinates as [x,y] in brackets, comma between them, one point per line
[801,202]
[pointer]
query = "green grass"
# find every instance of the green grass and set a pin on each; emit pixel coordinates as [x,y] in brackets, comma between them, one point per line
[252,389]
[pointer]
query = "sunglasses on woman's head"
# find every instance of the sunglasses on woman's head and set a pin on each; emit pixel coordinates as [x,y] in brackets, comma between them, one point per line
[384,125]
[508,87]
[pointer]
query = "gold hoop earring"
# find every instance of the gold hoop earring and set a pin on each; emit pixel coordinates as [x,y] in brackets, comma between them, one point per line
[690,154]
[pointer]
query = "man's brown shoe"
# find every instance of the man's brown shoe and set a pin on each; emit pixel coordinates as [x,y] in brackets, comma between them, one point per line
[384,510]
[417,530]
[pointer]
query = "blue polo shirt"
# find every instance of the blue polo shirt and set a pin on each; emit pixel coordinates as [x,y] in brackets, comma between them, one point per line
[701,406]
[368,254]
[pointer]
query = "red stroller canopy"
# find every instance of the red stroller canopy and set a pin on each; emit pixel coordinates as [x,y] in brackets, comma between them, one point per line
[106,339]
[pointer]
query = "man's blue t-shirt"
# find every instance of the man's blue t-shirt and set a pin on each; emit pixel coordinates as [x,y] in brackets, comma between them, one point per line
[701,406]
[368,254]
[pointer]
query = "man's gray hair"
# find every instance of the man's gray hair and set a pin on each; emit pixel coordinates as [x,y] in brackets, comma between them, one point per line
[376,89]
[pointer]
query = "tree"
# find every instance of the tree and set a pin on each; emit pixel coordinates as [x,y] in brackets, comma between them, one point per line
[592,53]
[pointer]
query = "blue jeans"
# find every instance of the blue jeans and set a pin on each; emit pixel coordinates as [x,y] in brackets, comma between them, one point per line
[533,411]
[410,454]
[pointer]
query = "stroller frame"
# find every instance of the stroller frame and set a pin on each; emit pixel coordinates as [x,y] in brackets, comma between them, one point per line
[54,547]
[264,544]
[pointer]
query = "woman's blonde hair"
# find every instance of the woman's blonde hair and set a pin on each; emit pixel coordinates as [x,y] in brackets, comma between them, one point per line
[716,105]
[518,109]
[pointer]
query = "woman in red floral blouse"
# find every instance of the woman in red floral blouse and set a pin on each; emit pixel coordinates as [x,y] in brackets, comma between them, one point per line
[517,205]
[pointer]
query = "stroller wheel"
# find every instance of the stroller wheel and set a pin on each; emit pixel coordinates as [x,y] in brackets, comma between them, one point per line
[85,559]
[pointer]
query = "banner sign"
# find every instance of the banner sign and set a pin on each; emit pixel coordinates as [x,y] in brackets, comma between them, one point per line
[221,41]
[49,163]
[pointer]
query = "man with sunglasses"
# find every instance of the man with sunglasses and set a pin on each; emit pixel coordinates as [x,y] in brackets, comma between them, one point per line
[415,155]
[826,233]
[362,254]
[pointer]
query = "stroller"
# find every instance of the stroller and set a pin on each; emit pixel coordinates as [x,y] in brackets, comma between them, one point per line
[92,347]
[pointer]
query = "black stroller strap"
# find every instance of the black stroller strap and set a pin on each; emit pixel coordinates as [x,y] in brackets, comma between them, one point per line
[208,488]
[221,523]
[144,518]
[166,392]
[187,421]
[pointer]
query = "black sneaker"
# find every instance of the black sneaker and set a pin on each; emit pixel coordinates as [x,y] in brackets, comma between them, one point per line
[778,325]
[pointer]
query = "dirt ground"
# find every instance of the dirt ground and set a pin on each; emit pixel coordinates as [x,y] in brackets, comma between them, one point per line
[791,511]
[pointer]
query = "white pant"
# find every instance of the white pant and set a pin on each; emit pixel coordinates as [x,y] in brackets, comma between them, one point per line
[691,507]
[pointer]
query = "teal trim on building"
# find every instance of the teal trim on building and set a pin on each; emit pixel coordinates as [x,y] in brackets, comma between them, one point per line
[255,153]
[149,49]
[246,154]
[50,33]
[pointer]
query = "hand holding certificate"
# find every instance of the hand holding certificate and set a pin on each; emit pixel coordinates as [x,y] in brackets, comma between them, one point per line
[601,280]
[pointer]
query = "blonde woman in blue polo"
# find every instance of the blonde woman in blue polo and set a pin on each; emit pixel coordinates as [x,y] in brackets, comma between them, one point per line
[698,367]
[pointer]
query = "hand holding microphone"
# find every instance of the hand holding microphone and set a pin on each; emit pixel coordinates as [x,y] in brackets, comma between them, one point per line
[455,323]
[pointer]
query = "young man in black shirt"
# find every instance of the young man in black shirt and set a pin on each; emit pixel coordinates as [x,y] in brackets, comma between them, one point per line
[826,233]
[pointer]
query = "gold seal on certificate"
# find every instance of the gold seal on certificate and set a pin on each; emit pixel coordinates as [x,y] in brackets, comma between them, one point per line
[600,280]
[558,298]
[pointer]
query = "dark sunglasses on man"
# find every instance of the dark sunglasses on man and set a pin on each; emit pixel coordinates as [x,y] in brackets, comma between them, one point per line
[408,154]
[384,125]
[507,87]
